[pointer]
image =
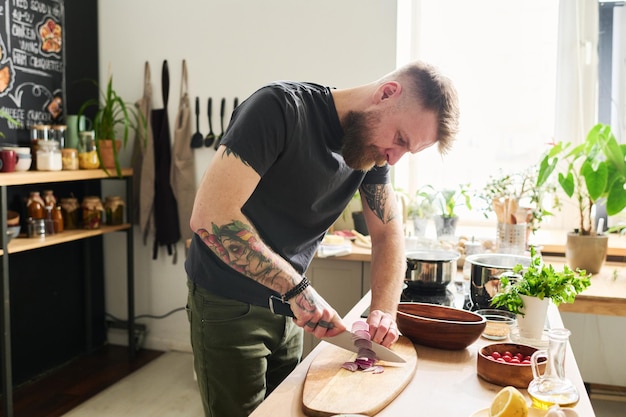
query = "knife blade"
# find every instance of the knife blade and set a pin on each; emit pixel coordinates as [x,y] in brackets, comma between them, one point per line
[343,340]
[346,339]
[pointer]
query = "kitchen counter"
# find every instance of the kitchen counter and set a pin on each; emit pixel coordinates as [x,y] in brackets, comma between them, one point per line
[445,383]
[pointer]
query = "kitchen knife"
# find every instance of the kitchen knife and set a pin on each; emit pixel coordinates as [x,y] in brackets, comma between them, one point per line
[346,340]
[343,340]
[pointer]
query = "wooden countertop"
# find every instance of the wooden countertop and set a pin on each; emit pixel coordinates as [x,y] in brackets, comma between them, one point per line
[445,384]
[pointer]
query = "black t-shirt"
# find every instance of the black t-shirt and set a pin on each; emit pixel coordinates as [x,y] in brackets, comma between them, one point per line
[289,133]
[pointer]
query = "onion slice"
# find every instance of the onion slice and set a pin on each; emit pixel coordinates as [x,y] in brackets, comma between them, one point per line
[366,357]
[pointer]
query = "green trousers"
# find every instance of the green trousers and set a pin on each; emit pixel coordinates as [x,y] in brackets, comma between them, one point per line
[241,352]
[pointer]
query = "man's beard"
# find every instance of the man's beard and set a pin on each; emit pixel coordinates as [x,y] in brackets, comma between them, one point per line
[358,150]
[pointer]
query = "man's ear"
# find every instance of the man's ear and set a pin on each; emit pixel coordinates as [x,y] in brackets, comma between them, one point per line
[388,90]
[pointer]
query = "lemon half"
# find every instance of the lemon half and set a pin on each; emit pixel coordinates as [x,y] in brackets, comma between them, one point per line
[509,402]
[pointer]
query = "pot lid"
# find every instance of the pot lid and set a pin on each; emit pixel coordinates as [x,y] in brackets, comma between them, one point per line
[433,255]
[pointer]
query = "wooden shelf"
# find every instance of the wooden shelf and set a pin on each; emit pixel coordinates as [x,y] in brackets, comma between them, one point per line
[38,177]
[21,244]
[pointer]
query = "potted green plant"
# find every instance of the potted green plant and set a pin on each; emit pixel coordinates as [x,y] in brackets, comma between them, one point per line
[420,208]
[113,114]
[528,291]
[591,171]
[447,200]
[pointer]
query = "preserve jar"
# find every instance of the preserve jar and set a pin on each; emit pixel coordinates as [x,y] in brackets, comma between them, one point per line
[49,156]
[70,212]
[87,152]
[37,133]
[69,157]
[92,212]
[114,208]
[35,206]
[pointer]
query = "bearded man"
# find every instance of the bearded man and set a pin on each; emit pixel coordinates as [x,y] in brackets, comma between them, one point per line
[290,161]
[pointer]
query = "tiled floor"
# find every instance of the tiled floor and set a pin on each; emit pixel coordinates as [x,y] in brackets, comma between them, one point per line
[166,388]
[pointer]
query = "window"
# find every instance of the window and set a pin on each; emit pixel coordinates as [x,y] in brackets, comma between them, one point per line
[502,57]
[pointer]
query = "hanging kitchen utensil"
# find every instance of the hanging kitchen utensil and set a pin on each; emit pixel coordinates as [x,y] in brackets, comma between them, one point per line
[222,110]
[235,103]
[210,137]
[196,138]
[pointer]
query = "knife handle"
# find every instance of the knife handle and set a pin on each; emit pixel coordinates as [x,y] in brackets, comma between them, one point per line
[278,306]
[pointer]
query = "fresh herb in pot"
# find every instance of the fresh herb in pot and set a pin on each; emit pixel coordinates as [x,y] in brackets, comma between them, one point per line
[540,280]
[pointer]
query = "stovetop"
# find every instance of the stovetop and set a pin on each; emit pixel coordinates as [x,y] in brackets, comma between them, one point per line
[444,297]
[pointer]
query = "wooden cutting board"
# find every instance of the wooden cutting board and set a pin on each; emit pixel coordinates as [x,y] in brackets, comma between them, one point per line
[329,389]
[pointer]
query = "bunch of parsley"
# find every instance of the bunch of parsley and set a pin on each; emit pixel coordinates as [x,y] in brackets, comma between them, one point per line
[542,281]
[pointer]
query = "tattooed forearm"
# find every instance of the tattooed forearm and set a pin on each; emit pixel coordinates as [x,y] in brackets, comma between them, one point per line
[376,196]
[230,152]
[239,246]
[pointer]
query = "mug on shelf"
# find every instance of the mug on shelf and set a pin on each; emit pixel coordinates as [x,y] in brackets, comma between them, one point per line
[8,160]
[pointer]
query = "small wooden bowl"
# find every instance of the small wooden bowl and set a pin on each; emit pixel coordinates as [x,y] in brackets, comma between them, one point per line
[439,326]
[13,218]
[506,373]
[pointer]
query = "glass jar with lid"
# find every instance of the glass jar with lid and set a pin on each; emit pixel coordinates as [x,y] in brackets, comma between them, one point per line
[92,212]
[70,211]
[87,153]
[35,206]
[49,156]
[114,208]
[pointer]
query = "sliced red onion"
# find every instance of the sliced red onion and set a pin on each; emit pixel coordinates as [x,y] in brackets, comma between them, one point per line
[366,357]
[350,366]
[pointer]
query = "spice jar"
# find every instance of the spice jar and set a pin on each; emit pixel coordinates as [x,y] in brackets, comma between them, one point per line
[87,153]
[114,208]
[35,206]
[92,212]
[69,210]
[49,156]
[69,158]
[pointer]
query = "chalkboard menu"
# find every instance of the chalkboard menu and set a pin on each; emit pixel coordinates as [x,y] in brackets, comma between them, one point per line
[31,65]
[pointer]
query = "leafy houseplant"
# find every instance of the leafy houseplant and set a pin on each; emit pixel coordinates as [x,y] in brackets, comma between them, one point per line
[542,281]
[447,201]
[419,208]
[590,171]
[113,113]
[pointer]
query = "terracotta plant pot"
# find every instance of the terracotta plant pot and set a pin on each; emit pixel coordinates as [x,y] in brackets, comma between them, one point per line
[107,158]
[586,252]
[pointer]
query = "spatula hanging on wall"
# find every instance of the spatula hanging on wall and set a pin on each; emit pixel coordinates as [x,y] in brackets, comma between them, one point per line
[196,138]
[210,137]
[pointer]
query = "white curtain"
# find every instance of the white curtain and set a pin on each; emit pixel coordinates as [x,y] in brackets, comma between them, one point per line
[577,70]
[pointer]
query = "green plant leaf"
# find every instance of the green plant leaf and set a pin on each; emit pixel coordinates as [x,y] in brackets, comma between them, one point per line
[595,179]
[567,183]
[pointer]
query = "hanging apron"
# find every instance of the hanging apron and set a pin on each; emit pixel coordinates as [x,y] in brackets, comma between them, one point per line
[165,207]
[143,164]
[183,175]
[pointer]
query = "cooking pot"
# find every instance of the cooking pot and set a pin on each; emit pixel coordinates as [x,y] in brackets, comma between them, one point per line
[486,269]
[430,269]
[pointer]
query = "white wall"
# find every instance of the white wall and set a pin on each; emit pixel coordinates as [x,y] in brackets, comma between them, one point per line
[231,47]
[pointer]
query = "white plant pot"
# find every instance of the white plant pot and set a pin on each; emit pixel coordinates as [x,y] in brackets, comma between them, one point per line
[531,324]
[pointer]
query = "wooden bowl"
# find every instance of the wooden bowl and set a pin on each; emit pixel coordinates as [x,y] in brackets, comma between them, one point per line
[13,218]
[506,373]
[439,326]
